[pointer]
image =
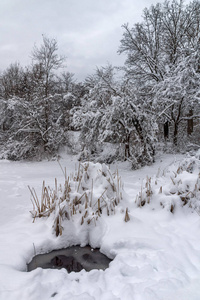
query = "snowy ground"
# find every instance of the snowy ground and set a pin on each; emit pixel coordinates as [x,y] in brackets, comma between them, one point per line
[156,254]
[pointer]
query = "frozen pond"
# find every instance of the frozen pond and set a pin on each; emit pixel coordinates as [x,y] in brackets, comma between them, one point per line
[73,258]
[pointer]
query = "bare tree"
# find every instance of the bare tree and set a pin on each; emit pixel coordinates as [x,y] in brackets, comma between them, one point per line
[13,81]
[142,44]
[47,58]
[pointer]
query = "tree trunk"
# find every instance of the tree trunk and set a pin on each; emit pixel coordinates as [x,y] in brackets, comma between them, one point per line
[190,123]
[127,147]
[166,130]
[176,121]
[175,138]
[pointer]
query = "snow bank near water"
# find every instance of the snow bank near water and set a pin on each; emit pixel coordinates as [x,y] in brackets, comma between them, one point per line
[85,195]
[156,255]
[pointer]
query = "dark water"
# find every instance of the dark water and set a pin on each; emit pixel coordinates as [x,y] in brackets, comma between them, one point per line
[73,258]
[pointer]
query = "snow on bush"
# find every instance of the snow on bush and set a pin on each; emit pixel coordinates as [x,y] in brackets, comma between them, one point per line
[87,194]
[177,187]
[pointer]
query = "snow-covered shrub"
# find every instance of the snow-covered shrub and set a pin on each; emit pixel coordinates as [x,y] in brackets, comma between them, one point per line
[112,112]
[178,187]
[33,129]
[85,196]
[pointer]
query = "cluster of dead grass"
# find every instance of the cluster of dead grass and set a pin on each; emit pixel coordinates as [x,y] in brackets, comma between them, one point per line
[79,196]
[181,187]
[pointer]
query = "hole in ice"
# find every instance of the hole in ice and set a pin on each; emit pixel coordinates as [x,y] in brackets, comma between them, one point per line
[73,259]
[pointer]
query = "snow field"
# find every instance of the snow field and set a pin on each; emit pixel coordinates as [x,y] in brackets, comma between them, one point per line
[156,254]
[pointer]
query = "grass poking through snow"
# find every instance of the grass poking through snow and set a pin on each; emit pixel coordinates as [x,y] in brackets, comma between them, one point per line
[91,191]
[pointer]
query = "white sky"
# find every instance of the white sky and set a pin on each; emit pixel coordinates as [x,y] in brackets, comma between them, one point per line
[88,32]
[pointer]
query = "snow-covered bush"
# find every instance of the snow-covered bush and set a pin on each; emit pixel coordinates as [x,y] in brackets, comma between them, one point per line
[111,112]
[178,187]
[84,197]
[34,129]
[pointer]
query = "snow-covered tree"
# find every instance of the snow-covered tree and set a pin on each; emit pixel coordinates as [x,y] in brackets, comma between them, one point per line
[178,95]
[111,113]
[95,103]
[34,105]
[160,61]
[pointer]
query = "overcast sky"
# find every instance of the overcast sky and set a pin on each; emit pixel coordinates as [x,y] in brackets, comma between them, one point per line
[88,32]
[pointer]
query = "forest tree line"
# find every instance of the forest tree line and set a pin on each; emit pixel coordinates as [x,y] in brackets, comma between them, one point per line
[154,97]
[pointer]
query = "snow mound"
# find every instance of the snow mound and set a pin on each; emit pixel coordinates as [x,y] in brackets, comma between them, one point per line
[155,255]
[87,194]
[178,186]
